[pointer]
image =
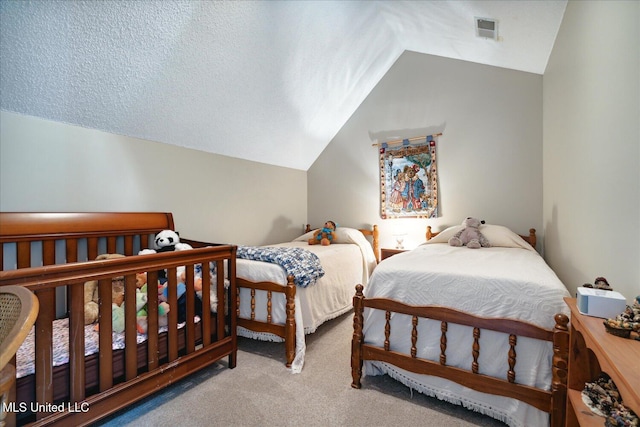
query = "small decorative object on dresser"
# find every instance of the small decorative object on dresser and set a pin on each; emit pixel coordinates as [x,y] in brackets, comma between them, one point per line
[399,240]
[600,303]
[625,322]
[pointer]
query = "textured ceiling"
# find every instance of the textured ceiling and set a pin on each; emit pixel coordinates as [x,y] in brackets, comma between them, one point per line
[268,81]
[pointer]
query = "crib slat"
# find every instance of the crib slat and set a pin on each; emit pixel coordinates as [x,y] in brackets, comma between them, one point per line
[190,343]
[48,252]
[76,342]
[206,304]
[128,245]
[152,319]
[144,241]
[71,248]
[23,254]
[130,332]
[49,258]
[92,248]
[173,308]
[111,245]
[43,346]
[105,336]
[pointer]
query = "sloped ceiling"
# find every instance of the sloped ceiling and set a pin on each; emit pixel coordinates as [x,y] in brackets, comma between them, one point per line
[267,81]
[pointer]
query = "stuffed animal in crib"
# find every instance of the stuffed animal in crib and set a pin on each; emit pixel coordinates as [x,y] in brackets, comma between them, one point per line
[91,300]
[141,310]
[117,313]
[470,236]
[166,241]
[197,286]
[324,235]
[182,287]
[163,318]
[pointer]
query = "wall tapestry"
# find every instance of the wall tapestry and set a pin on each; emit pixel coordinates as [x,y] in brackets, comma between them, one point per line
[409,178]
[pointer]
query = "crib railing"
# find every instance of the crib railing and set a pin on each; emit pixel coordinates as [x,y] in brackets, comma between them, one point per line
[182,350]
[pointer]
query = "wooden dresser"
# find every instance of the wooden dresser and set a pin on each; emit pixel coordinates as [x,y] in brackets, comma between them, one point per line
[591,351]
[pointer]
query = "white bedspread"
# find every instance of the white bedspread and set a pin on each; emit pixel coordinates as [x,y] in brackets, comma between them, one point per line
[345,266]
[490,282]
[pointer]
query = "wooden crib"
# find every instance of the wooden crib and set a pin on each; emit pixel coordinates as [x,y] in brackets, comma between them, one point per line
[51,253]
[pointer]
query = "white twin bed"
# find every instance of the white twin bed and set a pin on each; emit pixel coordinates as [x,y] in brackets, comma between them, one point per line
[415,328]
[262,315]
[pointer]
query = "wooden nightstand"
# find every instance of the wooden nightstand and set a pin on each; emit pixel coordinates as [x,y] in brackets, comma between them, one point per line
[386,252]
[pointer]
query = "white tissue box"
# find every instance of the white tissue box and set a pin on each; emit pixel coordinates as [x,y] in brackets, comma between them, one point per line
[600,303]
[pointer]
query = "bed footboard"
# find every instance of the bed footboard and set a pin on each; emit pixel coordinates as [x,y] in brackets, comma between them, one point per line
[286,331]
[550,401]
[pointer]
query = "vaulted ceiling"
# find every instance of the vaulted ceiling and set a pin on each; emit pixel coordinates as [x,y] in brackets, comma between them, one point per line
[267,81]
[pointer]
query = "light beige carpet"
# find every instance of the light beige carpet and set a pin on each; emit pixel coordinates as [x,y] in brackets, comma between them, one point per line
[260,391]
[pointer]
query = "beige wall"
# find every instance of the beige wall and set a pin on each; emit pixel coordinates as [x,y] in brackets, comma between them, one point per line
[592,146]
[52,166]
[559,153]
[489,156]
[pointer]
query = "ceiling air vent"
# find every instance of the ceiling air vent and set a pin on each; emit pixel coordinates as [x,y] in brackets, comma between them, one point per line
[487,28]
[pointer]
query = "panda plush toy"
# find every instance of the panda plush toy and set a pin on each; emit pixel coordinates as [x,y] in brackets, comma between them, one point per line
[166,241]
[169,241]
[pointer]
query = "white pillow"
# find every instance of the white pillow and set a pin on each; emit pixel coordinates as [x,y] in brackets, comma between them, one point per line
[343,235]
[305,237]
[497,235]
[446,234]
[351,236]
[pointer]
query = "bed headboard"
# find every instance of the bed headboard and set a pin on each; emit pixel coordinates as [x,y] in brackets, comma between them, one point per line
[45,233]
[371,233]
[531,238]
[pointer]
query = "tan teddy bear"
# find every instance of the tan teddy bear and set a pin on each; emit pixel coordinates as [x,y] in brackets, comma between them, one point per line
[325,235]
[91,293]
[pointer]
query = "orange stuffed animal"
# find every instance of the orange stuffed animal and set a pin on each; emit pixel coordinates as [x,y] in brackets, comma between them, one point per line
[324,235]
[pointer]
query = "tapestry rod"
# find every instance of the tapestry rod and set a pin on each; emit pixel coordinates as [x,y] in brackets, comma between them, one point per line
[400,141]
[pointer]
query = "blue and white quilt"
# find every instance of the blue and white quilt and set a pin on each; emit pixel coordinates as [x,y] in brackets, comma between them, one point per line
[303,265]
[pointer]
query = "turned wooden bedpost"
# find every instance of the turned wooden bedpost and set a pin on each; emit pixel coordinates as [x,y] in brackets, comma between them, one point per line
[376,242]
[356,341]
[532,237]
[559,369]
[429,233]
[290,323]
